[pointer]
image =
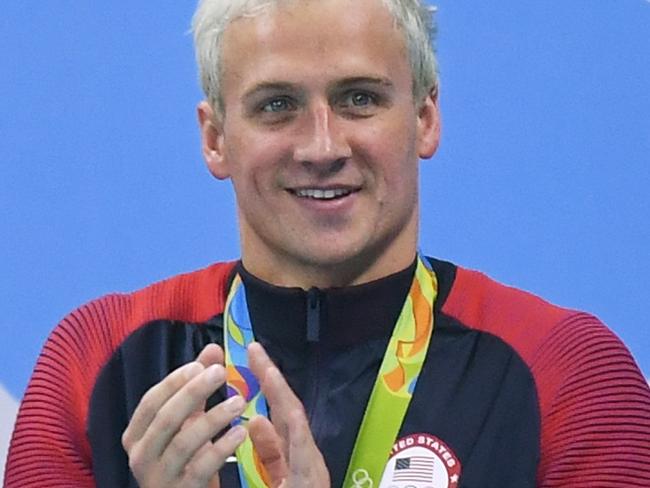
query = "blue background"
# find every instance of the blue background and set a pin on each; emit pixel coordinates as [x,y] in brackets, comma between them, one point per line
[541,180]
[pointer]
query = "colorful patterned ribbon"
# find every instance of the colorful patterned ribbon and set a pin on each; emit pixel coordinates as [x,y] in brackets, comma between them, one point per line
[394,386]
[238,334]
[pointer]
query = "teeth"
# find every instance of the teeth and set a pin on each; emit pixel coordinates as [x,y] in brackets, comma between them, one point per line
[322,194]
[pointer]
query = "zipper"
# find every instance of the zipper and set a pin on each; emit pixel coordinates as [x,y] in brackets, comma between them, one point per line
[314,297]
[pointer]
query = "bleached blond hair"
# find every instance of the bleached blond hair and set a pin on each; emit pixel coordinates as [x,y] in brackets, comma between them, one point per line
[212,17]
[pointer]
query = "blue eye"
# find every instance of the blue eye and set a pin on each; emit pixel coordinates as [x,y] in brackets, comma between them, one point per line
[277,105]
[361,99]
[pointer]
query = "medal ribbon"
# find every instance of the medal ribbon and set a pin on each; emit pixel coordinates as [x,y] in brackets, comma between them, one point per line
[390,397]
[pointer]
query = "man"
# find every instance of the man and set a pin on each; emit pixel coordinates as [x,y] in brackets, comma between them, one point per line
[386,368]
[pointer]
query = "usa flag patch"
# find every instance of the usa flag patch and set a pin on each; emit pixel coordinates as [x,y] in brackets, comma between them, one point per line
[421,461]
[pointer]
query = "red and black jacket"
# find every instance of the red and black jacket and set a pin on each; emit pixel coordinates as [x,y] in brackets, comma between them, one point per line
[526,394]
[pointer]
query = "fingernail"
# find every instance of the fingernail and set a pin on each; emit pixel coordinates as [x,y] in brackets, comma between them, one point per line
[237,434]
[214,374]
[235,404]
[192,369]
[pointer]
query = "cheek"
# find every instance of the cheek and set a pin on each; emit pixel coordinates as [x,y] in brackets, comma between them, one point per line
[393,136]
[248,161]
[395,160]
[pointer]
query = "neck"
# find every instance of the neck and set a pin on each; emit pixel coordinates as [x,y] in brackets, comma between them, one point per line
[357,271]
[377,260]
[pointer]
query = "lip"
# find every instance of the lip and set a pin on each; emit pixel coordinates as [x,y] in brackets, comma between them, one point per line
[330,186]
[326,206]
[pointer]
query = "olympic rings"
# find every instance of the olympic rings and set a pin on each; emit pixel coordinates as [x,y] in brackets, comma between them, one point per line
[361,479]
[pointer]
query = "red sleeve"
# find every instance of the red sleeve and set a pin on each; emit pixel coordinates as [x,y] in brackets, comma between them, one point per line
[595,407]
[594,402]
[49,447]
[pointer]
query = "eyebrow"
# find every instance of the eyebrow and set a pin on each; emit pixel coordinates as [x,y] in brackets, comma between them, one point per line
[268,86]
[278,86]
[371,80]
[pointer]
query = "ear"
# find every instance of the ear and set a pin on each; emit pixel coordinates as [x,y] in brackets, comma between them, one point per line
[212,140]
[428,125]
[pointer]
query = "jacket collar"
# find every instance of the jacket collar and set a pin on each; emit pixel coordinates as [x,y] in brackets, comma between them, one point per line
[332,317]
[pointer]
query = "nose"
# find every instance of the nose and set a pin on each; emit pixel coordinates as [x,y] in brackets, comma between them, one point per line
[321,142]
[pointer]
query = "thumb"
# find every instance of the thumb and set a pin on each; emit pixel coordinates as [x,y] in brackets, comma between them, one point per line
[269,448]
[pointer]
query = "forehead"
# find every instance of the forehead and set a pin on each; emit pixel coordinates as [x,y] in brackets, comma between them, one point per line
[314,39]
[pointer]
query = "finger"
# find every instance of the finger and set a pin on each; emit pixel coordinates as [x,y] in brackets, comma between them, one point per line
[154,399]
[211,354]
[306,466]
[206,465]
[269,447]
[189,440]
[278,393]
[171,416]
[215,482]
[299,449]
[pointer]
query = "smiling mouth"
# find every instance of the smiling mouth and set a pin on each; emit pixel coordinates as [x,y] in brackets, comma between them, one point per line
[323,193]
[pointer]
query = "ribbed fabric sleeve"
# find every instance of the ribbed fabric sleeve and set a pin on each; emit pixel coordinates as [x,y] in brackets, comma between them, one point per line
[596,409]
[594,402]
[49,447]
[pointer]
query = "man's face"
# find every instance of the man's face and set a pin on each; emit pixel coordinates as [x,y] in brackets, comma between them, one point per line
[321,138]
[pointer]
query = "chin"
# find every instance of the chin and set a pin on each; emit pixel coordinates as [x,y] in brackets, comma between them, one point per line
[329,257]
[337,256]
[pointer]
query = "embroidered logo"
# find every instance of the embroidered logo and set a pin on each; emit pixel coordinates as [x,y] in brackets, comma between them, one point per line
[361,479]
[421,461]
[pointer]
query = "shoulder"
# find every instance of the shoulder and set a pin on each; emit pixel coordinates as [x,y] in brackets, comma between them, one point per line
[49,439]
[564,349]
[547,337]
[83,341]
[193,297]
[523,320]
[593,399]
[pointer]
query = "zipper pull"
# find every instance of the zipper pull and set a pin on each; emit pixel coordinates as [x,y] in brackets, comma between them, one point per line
[313,314]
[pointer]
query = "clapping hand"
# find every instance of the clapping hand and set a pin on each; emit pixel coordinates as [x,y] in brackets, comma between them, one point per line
[169,438]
